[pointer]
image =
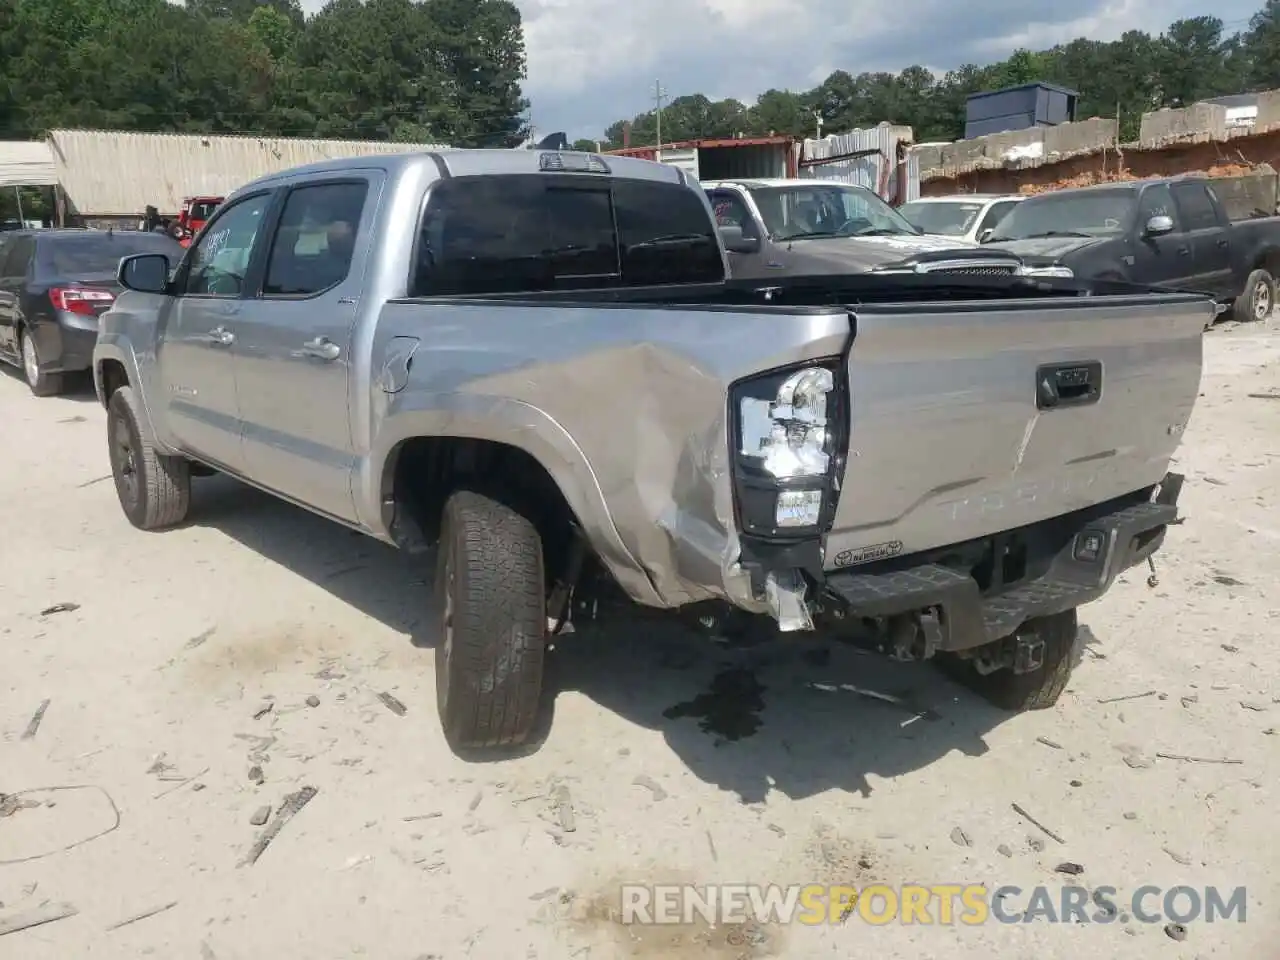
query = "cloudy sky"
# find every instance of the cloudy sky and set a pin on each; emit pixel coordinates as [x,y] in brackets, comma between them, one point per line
[592,62]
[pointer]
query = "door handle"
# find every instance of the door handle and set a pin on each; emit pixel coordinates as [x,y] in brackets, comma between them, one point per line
[1224,242]
[231,310]
[322,348]
[1184,251]
[221,337]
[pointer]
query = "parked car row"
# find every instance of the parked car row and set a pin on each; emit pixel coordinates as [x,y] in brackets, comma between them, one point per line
[55,284]
[1171,232]
[538,362]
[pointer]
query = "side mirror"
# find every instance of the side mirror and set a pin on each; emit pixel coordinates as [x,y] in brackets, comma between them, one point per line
[1157,226]
[144,272]
[985,235]
[735,242]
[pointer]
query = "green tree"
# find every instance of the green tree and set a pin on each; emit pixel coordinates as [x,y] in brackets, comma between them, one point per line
[1261,47]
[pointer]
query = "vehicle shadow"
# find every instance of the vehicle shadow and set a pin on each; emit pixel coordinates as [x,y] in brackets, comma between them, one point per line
[78,386]
[769,715]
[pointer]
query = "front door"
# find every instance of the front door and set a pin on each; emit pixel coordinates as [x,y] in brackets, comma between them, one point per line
[1163,260]
[731,210]
[196,356]
[294,343]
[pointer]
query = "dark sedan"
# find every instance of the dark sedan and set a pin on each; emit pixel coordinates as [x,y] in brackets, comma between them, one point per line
[54,285]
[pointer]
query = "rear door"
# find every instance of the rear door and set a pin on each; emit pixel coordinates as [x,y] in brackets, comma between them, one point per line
[195,356]
[1207,232]
[293,342]
[8,301]
[953,439]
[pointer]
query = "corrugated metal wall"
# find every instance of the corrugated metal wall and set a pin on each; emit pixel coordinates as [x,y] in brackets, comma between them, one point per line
[864,171]
[26,164]
[108,173]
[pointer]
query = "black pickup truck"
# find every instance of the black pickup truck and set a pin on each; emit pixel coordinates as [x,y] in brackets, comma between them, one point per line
[1173,233]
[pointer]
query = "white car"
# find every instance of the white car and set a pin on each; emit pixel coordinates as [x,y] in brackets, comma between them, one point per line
[962,216]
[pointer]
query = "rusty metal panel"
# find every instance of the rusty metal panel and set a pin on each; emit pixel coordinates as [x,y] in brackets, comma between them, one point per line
[869,171]
[108,173]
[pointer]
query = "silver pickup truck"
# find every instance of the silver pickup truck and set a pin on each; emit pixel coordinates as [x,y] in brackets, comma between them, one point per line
[533,360]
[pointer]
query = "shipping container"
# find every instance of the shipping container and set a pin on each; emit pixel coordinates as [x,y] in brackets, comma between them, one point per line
[1019,108]
[742,158]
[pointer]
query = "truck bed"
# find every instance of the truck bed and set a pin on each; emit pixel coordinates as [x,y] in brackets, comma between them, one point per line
[947,442]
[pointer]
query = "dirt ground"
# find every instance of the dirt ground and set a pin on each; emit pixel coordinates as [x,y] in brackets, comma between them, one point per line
[191,657]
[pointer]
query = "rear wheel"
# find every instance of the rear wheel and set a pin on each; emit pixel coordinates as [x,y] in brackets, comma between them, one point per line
[154,489]
[41,384]
[491,593]
[1258,298]
[1036,689]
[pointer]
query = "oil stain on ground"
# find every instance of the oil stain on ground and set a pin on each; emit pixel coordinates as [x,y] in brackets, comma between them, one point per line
[729,708]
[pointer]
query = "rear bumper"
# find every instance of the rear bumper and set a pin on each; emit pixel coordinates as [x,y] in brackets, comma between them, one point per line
[1073,560]
[66,344]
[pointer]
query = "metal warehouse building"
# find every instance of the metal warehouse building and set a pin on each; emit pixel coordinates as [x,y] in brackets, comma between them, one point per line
[110,177]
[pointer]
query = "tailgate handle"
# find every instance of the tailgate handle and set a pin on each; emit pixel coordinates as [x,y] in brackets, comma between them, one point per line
[1068,384]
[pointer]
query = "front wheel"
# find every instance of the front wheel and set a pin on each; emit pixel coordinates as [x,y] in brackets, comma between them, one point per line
[1257,299]
[154,489]
[491,594]
[1037,689]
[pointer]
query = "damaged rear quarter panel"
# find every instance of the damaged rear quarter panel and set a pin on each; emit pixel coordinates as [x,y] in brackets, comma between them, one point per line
[624,405]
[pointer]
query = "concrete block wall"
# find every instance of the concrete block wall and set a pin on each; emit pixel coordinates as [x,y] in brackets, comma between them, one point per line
[1197,123]
[1160,129]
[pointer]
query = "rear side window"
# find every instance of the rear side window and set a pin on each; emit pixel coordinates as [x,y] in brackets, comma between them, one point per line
[525,233]
[665,235]
[99,253]
[1196,207]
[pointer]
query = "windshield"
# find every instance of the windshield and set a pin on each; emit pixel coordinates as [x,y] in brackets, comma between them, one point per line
[1085,213]
[946,219]
[827,210]
[90,253]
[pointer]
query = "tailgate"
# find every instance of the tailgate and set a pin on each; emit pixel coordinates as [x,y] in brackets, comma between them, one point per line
[954,431]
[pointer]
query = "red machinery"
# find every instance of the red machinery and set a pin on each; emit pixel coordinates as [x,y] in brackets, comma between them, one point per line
[194,214]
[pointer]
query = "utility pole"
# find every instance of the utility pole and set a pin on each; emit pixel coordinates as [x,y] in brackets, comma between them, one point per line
[658,96]
[817,119]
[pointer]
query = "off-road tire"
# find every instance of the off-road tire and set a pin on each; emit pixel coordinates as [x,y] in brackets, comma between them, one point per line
[1259,291]
[41,384]
[1039,689]
[491,594]
[154,489]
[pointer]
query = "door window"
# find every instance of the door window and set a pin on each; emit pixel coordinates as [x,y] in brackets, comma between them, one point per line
[18,259]
[731,211]
[1197,209]
[995,214]
[220,261]
[1157,201]
[316,238]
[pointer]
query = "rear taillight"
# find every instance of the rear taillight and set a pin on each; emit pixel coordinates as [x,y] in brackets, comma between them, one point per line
[80,300]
